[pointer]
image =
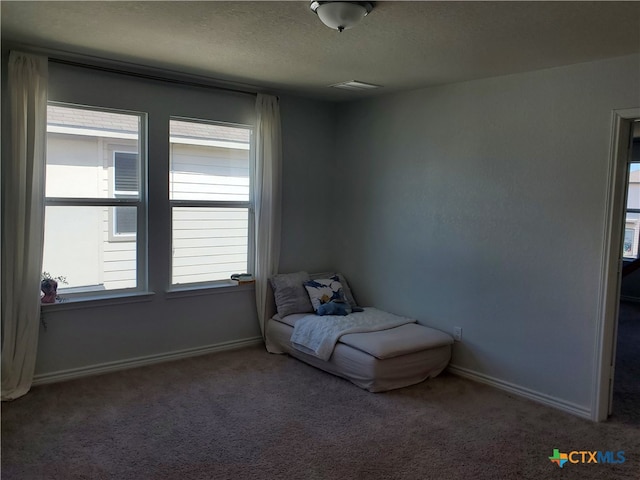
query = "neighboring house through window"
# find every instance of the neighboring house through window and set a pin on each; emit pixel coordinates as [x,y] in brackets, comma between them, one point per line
[632,222]
[210,196]
[96,207]
[94,183]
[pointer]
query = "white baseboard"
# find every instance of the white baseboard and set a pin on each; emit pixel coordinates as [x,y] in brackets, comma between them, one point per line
[522,391]
[108,367]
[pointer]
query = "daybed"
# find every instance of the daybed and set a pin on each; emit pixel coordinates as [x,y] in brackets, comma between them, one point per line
[392,352]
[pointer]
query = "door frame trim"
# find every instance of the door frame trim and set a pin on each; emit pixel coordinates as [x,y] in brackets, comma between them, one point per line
[609,297]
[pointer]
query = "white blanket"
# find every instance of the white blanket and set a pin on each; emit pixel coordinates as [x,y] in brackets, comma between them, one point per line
[318,335]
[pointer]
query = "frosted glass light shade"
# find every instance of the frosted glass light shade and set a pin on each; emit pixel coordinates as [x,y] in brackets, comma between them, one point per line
[341,15]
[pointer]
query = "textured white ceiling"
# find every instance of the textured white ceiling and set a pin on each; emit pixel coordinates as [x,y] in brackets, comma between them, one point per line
[283,46]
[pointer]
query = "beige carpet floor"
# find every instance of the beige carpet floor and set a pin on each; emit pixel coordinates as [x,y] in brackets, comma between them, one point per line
[246,414]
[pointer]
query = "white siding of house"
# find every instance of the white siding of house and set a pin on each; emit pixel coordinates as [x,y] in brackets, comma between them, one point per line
[73,166]
[209,243]
[119,258]
[209,173]
[71,251]
[73,170]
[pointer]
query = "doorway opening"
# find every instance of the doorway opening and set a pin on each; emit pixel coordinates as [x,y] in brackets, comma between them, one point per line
[619,241]
[625,400]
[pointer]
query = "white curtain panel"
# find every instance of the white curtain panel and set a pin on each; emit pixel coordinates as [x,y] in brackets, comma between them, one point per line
[267,198]
[23,175]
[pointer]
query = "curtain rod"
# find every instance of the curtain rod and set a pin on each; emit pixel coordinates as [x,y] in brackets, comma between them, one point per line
[148,76]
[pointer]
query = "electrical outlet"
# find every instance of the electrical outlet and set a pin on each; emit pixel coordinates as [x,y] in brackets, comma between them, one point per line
[457,333]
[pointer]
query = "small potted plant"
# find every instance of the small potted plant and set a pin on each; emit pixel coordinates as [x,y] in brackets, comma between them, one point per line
[49,287]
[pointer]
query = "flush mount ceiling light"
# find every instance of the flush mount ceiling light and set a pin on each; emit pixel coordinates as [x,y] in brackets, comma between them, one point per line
[341,15]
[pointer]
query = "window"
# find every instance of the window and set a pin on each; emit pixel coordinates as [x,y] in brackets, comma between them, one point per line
[95,176]
[632,222]
[210,197]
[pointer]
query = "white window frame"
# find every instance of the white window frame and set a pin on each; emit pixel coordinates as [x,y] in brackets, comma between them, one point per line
[249,205]
[140,203]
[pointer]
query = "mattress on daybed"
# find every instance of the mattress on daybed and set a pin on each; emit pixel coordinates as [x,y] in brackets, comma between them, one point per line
[376,361]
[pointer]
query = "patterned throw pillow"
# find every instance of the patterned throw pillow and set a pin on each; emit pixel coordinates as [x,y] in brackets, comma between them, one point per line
[324,290]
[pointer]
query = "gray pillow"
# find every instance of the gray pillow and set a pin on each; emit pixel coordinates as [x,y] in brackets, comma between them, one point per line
[290,294]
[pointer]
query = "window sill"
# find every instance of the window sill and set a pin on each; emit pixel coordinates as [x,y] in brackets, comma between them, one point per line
[192,291]
[96,301]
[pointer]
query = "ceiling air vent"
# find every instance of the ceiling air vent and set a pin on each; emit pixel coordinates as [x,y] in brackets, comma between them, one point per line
[355,85]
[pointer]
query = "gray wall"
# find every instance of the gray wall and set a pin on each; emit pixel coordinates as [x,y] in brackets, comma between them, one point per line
[79,337]
[481,205]
[307,180]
